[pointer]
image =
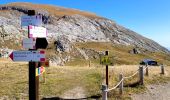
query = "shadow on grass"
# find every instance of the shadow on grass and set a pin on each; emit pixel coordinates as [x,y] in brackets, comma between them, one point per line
[97,97]
[135,84]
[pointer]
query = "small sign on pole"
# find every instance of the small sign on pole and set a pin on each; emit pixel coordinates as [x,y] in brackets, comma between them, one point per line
[106,60]
[31,20]
[40,70]
[28,56]
[29,43]
[35,31]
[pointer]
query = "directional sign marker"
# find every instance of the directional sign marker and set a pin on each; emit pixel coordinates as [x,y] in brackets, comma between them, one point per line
[28,56]
[29,43]
[35,31]
[106,60]
[31,20]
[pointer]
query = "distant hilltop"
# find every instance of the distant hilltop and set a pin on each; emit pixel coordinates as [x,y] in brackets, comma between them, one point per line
[69,26]
[83,26]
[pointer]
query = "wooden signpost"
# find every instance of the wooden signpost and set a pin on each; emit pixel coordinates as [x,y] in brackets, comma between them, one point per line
[105,60]
[33,79]
[33,56]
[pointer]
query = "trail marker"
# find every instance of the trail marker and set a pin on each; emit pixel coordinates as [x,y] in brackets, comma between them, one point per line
[28,56]
[40,70]
[29,43]
[35,31]
[31,20]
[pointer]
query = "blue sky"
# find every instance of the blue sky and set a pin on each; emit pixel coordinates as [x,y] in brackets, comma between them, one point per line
[150,18]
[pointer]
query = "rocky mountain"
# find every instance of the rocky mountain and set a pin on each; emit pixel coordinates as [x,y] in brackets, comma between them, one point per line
[68,26]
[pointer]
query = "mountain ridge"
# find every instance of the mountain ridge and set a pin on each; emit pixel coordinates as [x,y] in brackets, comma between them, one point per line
[68,26]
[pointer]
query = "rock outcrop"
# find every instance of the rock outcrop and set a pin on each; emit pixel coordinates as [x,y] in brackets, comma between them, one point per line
[64,29]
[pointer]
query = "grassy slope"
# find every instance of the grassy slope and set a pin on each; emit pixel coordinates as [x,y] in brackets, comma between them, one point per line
[121,54]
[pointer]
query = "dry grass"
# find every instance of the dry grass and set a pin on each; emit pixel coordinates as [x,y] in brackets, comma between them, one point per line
[58,11]
[60,79]
[121,53]
[14,80]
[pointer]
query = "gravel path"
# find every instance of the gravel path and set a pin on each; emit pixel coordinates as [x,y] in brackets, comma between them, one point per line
[154,92]
[75,93]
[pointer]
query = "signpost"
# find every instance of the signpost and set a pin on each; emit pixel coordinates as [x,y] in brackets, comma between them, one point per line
[36,56]
[35,31]
[33,56]
[29,43]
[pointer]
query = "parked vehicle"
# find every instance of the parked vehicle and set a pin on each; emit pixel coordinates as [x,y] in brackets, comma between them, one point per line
[149,62]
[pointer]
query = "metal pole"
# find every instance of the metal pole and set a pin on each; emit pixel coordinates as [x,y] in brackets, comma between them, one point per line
[33,79]
[104,92]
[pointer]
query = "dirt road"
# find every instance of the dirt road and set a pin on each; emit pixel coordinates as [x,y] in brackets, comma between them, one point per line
[155,92]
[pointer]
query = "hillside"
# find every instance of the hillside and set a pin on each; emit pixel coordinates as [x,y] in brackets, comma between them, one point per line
[67,27]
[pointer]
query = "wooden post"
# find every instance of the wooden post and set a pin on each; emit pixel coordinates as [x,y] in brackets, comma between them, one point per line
[104,92]
[162,69]
[141,75]
[89,63]
[121,84]
[44,77]
[107,72]
[33,79]
[107,75]
[147,70]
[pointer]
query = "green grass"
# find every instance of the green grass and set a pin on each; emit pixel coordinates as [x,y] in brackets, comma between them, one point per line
[121,53]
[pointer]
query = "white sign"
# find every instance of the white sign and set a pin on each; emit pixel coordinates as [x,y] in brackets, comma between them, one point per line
[31,20]
[29,43]
[38,56]
[35,31]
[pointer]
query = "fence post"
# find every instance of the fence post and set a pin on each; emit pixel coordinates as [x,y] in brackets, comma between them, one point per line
[147,73]
[162,69]
[104,92]
[121,84]
[141,75]
[89,63]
